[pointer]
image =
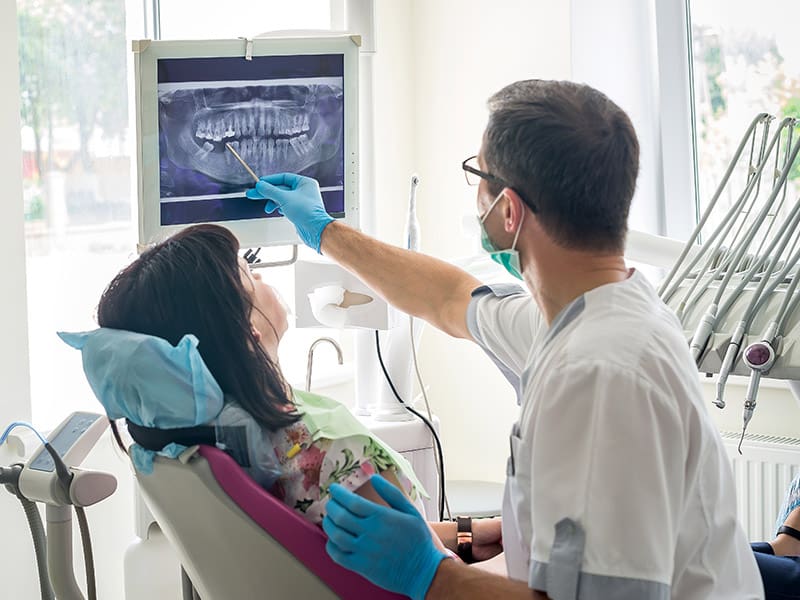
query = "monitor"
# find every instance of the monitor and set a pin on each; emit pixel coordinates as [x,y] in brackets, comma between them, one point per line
[283,104]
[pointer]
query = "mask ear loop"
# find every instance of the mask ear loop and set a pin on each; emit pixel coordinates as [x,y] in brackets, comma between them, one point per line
[491,206]
[516,236]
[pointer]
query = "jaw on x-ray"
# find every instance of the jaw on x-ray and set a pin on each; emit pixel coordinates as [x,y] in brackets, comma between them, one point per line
[273,127]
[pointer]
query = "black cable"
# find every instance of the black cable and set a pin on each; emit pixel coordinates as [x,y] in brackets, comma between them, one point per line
[428,424]
[65,479]
[88,556]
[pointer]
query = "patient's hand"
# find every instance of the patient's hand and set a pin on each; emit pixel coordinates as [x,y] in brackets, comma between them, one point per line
[487,538]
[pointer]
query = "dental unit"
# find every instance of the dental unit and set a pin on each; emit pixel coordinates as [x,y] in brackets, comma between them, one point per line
[732,281]
[52,476]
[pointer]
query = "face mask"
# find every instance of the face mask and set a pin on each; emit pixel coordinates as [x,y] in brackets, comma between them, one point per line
[509,259]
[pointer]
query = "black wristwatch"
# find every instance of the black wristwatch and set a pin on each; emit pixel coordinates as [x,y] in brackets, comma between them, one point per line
[464,539]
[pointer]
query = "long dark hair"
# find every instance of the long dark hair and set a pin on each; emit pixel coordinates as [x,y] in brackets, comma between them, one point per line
[191,283]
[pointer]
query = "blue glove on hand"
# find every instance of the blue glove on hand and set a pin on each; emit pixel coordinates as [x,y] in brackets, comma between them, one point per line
[390,546]
[298,199]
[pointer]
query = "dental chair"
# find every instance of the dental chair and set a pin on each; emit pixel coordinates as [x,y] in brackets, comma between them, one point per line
[235,541]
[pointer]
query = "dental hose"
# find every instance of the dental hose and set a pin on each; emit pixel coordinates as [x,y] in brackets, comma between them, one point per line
[39,547]
[698,228]
[670,287]
[10,478]
[715,313]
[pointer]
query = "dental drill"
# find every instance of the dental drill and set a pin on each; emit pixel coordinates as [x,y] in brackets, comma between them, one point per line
[762,292]
[761,356]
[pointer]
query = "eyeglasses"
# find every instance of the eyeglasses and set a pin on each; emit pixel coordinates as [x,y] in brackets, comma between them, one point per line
[473,174]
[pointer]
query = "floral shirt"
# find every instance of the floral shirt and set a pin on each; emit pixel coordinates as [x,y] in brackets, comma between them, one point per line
[311,466]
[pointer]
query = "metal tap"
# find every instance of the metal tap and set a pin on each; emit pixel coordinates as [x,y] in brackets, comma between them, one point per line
[311,357]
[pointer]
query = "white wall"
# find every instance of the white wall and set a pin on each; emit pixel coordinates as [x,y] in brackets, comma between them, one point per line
[17,551]
[437,64]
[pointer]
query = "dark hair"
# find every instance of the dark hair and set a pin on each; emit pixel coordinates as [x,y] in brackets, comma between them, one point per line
[191,283]
[571,153]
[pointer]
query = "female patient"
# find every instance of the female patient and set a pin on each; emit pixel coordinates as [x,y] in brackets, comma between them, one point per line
[194,282]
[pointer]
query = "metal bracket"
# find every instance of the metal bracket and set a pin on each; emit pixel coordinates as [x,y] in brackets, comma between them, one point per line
[279,263]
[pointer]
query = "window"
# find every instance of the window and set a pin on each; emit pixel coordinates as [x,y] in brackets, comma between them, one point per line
[76,154]
[77,144]
[746,60]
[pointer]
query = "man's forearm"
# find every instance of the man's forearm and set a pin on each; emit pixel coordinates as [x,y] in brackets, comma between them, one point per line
[415,283]
[454,581]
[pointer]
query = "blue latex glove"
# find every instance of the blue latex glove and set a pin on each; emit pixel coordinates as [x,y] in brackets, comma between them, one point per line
[390,546]
[298,199]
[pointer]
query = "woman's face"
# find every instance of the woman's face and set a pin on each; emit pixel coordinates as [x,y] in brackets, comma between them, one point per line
[268,316]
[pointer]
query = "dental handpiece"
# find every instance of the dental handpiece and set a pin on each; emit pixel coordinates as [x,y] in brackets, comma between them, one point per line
[760,357]
[241,160]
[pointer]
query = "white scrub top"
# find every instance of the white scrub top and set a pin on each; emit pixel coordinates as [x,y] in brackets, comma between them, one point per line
[618,484]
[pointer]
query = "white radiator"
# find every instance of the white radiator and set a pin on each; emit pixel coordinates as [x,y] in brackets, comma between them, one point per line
[763,473]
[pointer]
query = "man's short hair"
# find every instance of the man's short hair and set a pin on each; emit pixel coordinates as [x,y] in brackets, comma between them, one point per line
[571,153]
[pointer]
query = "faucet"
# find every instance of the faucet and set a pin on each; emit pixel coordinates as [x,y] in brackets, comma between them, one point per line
[311,357]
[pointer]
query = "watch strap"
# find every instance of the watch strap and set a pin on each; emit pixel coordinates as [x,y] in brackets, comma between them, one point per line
[790,531]
[464,539]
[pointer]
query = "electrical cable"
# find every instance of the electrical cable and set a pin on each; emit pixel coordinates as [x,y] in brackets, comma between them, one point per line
[427,404]
[16,424]
[427,423]
[88,555]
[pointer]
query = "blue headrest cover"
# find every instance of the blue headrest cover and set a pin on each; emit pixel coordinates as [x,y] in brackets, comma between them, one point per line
[145,379]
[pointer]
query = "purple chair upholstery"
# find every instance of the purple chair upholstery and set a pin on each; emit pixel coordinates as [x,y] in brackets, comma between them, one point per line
[302,539]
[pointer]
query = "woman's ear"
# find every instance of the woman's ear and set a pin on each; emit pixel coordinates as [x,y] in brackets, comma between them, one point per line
[256,334]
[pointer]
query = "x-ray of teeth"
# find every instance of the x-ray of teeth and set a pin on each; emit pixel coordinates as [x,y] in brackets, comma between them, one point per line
[273,127]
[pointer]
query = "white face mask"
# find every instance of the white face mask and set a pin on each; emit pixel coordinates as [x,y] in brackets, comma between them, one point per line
[509,259]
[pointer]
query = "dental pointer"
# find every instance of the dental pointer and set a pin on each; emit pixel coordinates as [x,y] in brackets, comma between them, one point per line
[241,160]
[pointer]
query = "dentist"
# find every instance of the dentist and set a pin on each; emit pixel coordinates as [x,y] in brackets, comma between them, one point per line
[617,482]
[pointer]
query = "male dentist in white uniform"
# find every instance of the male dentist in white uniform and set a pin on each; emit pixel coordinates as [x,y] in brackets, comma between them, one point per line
[618,484]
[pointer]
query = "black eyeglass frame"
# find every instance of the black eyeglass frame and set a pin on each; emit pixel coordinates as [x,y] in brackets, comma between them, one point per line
[489,177]
[482,174]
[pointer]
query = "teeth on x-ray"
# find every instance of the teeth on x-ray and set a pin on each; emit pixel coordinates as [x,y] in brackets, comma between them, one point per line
[273,128]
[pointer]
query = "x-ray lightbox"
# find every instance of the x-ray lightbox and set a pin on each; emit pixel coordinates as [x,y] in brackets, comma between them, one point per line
[283,104]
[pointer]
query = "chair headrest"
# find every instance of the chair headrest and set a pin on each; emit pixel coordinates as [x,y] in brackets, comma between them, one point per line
[146,380]
[149,382]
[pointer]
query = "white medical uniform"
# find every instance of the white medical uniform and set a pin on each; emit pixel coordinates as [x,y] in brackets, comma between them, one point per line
[618,484]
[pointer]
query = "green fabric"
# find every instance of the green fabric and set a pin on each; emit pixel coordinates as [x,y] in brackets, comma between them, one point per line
[327,418]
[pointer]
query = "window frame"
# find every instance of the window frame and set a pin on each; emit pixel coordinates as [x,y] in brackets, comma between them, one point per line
[662,106]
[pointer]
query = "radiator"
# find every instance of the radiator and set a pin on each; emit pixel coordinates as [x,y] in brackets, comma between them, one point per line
[763,473]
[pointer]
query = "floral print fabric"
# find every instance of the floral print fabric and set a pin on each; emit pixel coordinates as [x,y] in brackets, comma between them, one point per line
[311,466]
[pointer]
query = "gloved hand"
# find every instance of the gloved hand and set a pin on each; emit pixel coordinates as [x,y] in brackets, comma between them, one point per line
[390,546]
[298,199]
